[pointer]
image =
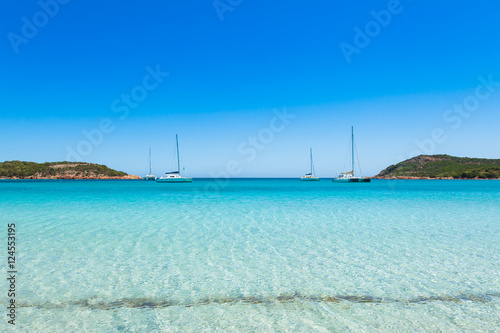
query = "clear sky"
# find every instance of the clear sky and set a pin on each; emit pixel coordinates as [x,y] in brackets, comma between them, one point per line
[249,86]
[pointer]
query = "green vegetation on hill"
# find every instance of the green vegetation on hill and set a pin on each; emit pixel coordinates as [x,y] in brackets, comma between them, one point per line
[444,166]
[21,169]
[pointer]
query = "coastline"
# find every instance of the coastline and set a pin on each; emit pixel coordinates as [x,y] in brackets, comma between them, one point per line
[128,177]
[135,177]
[431,178]
[12,170]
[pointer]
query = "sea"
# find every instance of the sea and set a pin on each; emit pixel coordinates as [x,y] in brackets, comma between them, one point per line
[252,255]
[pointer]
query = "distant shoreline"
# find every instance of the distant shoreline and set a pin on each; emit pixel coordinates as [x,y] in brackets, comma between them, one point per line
[324,179]
[429,178]
[59,170]
[443,167]
[129,177]
[422,167]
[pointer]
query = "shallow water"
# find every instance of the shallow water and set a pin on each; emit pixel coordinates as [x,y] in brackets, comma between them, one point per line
[255,255]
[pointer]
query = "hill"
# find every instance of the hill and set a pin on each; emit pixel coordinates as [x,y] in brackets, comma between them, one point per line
[443,167]
[59,170]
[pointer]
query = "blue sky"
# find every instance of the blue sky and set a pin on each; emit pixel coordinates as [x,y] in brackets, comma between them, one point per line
[91,78]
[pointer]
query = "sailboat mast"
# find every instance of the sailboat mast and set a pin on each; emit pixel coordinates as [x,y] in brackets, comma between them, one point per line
[311,151]
[352,148]
[149,160]
[178,161]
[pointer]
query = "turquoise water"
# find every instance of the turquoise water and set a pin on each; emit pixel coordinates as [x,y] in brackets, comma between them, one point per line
[255,255]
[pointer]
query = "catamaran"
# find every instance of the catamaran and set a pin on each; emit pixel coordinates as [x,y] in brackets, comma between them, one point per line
[310,176]
[150,176]
[175,176]
[348,176]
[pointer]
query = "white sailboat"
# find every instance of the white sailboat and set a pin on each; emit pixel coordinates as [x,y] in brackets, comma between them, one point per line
[310,176]
[175,176]
[150,176]
[348,176]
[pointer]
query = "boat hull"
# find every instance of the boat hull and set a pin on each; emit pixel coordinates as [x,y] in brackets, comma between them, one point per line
[310,179]
[150,178]
[351,180]
[175,180]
